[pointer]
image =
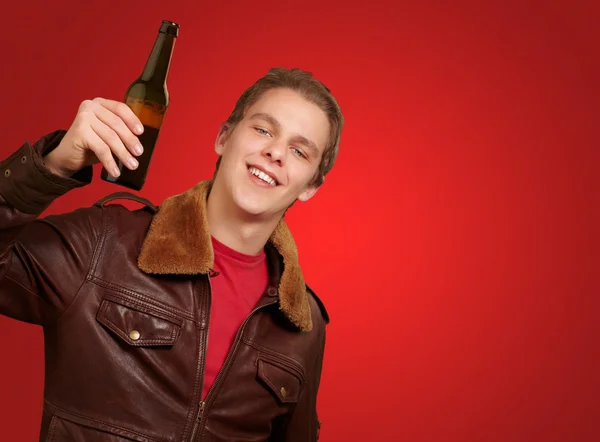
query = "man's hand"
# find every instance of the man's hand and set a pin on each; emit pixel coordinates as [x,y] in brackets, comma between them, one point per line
[101,128]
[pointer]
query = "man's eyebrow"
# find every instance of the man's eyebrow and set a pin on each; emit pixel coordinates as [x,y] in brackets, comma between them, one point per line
[312,146]
[266,117]
[314,151]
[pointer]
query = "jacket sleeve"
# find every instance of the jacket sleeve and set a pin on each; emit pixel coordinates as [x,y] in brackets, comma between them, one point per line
[303,424]
[43,262]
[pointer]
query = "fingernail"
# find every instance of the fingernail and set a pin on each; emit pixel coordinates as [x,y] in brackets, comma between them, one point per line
[138,149]
[139,128]
[116,172]
[133,163]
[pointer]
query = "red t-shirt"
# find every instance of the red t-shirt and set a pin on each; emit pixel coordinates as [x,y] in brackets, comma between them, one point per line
[241,281]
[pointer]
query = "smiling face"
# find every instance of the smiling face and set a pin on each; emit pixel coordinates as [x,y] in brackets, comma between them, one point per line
[271,156]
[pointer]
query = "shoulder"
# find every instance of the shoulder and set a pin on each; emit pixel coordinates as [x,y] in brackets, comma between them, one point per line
[319,303]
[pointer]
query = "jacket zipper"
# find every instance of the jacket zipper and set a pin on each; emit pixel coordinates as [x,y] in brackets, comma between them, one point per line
[198,420]
[203,362]
[223,369]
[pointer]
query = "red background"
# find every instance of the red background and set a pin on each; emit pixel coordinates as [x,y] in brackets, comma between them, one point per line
[456,241]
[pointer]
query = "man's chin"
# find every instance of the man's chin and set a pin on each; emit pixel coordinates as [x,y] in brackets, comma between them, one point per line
[260,206]
[260,212]
[251,207]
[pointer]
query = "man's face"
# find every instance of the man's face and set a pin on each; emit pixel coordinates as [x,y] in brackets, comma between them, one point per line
[273,153]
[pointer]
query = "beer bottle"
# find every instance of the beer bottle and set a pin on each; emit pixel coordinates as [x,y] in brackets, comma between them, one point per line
[148,97]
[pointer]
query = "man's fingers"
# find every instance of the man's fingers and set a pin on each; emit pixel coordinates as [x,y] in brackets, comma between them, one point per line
[101,150]
[114,142]
[124,112]
[118,125]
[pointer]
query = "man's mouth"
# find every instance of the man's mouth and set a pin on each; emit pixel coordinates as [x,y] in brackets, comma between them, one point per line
[262,176]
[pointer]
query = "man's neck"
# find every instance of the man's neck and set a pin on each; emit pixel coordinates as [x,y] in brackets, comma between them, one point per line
[230,227]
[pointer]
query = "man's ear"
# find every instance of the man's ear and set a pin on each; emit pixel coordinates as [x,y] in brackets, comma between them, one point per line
[308,193]
[222,136]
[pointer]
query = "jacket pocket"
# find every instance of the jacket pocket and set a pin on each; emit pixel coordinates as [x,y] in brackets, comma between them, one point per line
[67,427]
[282,378]
[138,323]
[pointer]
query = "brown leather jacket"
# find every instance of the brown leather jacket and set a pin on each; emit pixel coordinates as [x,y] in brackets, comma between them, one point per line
[123,297]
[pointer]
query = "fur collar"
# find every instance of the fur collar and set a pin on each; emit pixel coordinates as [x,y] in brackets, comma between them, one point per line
[179,242]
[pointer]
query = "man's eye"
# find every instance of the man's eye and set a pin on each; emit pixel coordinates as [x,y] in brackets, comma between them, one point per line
[262,131]
[298,152]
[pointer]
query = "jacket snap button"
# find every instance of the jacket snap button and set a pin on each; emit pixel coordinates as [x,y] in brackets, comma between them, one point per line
[7,173]
[23,159]
[272,291]
[134,335]
[283,392]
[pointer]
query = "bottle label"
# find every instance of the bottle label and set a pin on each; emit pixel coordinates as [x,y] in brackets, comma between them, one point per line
[151,114]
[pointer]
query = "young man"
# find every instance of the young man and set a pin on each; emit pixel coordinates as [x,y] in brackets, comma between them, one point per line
[185,322]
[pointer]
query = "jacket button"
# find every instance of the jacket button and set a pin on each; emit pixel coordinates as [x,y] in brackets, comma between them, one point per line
[283,392]
[272,291]
[134,335]
[23,159]
[7,173]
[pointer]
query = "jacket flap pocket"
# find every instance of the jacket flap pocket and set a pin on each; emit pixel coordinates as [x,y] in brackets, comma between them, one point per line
[138,324]
[281,379]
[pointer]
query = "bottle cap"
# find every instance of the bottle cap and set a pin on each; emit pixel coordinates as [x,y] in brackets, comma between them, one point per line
[169,27]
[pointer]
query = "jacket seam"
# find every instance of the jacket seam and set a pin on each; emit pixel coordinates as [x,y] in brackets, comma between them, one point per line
[29,291]
[196,393]
[286,360]
[82,416]
[90,266]
[52,428]
[142,305]
[194,400]
[140,299]
[21,285]
[99,246]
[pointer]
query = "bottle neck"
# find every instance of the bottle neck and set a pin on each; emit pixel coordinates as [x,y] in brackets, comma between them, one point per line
[157,66]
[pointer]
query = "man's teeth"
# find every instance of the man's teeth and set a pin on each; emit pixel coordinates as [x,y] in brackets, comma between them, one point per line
[263,176]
